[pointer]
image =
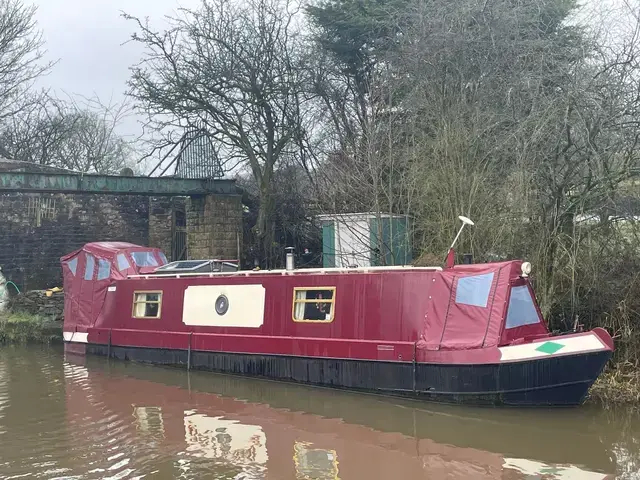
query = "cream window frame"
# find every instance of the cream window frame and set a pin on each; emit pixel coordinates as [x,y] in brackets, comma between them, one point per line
[300,301]
[140,302]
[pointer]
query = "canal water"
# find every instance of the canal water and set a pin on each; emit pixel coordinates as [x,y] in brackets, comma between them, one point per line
[71,418]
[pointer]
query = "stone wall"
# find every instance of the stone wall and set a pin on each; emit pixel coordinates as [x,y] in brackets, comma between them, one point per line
[37,302]
[225,216]
[161,224]
[214,226]
[37,229]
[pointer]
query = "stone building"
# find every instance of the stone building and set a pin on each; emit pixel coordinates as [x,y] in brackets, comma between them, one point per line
[37,227]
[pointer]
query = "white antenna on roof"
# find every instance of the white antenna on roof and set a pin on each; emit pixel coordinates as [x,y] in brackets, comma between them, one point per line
[465,221]
[450,261]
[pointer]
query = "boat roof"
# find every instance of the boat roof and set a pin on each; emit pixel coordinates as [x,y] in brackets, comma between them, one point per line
[107,249]
[113,247]
[300,271]
[473,268]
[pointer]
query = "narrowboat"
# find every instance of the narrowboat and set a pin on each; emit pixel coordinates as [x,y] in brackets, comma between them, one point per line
[466,333]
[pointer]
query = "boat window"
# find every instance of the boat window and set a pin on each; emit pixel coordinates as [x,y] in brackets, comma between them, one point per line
[144,259]
[474,290]
[73,265]
[522,311]
[88,269]
[313,304]
[147,304]
[123,263]
[163,258]
[104,269]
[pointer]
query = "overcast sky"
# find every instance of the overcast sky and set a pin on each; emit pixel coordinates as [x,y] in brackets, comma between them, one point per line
[86,37]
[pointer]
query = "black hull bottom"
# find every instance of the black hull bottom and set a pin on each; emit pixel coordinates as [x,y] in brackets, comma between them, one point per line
[553,381]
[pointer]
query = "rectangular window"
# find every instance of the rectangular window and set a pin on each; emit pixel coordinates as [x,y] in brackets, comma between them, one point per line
[123,263]
[73,265]
[104,269]
[144,259]
[147,304]
[88,268]
[41,208]
[474,290]
[313,304]
[522,311]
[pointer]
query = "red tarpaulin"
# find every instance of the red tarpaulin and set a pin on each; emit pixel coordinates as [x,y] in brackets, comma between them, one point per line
[484,305]
[89,271]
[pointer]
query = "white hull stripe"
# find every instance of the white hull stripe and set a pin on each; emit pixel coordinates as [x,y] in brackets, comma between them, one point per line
[554,346]
[540,349]
[76,337]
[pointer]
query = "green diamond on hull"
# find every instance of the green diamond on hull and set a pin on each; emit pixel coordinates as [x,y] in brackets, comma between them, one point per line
[550,347]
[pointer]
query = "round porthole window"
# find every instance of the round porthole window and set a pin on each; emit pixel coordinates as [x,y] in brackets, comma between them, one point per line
[222,305]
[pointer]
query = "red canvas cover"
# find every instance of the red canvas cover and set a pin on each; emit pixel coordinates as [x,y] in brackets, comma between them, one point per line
[523,318]
[467,307]
[89,271]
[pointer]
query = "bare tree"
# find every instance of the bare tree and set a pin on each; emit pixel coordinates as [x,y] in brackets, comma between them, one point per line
[21,54]
[35,131]
[95,144]
[75,134]
[230,68]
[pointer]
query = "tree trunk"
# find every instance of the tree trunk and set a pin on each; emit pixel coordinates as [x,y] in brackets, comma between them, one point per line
[265,224]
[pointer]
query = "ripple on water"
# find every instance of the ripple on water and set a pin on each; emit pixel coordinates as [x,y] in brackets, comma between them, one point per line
[111,447]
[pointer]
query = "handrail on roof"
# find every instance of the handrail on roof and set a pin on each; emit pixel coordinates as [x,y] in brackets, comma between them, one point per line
[247,273]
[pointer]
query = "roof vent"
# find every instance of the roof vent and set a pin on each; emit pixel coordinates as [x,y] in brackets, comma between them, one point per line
[290,262]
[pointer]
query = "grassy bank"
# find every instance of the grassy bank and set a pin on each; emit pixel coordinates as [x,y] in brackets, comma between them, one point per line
[23,328]
[618,385]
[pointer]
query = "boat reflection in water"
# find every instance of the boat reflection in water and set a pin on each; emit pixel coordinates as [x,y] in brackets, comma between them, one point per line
[136,421]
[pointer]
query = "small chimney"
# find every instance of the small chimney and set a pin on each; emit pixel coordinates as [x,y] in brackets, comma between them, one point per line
[467,258]
[290,263]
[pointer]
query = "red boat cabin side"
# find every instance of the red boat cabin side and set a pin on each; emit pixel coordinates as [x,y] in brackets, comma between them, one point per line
[375,313]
